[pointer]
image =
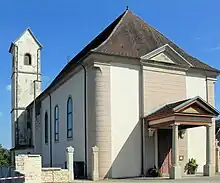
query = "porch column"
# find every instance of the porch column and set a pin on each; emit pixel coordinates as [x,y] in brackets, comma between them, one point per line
[156,148]
[209,166]
[175,170]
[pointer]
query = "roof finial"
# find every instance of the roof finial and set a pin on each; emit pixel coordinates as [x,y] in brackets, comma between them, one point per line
[126,7]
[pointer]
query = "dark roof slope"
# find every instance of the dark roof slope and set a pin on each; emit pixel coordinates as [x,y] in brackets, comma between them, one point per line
[84,52]
[167,109]
[130,36]
[133,37]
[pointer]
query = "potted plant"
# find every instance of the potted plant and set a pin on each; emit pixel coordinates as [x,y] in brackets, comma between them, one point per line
[154,172]
[191,166]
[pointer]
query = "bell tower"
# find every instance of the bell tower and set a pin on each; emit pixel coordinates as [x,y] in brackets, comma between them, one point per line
[25,85]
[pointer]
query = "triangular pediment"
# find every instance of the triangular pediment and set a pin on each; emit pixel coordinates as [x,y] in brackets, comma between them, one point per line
[196,106]
[196,109]
[166,54]
[162,57]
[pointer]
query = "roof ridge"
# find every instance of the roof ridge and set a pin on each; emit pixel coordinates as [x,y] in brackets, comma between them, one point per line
[172,42]
[28,29]
[114,29]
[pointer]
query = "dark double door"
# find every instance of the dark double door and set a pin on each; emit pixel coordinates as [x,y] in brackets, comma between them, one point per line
[164,150]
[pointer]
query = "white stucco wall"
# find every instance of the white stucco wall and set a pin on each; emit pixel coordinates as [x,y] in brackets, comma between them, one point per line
[74,88]
[126,132]
[196,86]
[45,107]
[27,44]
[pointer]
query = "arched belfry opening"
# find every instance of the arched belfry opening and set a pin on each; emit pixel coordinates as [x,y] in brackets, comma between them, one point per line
[27,59]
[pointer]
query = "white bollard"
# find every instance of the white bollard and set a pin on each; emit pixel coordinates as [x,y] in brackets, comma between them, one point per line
[69,157]
[95,173]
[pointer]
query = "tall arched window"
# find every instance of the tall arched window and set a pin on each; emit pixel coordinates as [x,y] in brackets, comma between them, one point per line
[27,59]
[69,118]
[56,124]
[46,128]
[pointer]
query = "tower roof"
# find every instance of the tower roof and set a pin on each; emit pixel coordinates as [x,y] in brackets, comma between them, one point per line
[31,33]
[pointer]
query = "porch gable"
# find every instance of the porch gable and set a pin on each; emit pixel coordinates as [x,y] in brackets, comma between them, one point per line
[194,111]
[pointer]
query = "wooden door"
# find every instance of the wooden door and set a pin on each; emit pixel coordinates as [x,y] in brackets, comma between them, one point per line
[164,150]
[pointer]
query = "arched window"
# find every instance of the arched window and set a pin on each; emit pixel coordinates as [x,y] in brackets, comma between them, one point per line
[56,124]
[27,59]
[69,118]
[46,128]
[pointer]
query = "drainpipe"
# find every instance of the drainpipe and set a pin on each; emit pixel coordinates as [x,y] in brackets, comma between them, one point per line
[207,93]
[142,120]
[36,80]
[85,116]
[51,154]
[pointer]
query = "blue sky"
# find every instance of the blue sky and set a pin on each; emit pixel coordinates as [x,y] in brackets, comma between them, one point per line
[65,27]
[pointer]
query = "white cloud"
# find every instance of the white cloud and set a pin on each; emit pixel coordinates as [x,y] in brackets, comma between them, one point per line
[214,48]
[8,88]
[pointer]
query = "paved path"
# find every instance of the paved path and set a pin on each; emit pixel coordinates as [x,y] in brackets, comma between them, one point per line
[192,179]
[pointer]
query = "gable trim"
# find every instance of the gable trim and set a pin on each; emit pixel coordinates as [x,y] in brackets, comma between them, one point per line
[164,48]
[196,100]
[33,36]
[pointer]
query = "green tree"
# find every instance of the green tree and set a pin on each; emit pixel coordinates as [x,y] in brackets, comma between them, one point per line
[4,156]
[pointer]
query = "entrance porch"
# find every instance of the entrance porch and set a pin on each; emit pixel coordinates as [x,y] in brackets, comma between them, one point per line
[167,123]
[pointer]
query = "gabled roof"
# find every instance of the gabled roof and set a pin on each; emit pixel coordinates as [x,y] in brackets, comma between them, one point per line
[127,35]
[178,106]
[135,38]
[31,33]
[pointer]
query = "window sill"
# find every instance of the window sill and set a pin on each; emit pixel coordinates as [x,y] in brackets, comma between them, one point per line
[69,138]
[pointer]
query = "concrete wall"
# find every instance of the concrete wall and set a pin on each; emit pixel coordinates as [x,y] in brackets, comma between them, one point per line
[73,87]
[125,126]
[30,167]
[196,86]
[55,175]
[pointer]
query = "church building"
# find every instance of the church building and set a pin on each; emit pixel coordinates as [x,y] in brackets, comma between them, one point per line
[133,93]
